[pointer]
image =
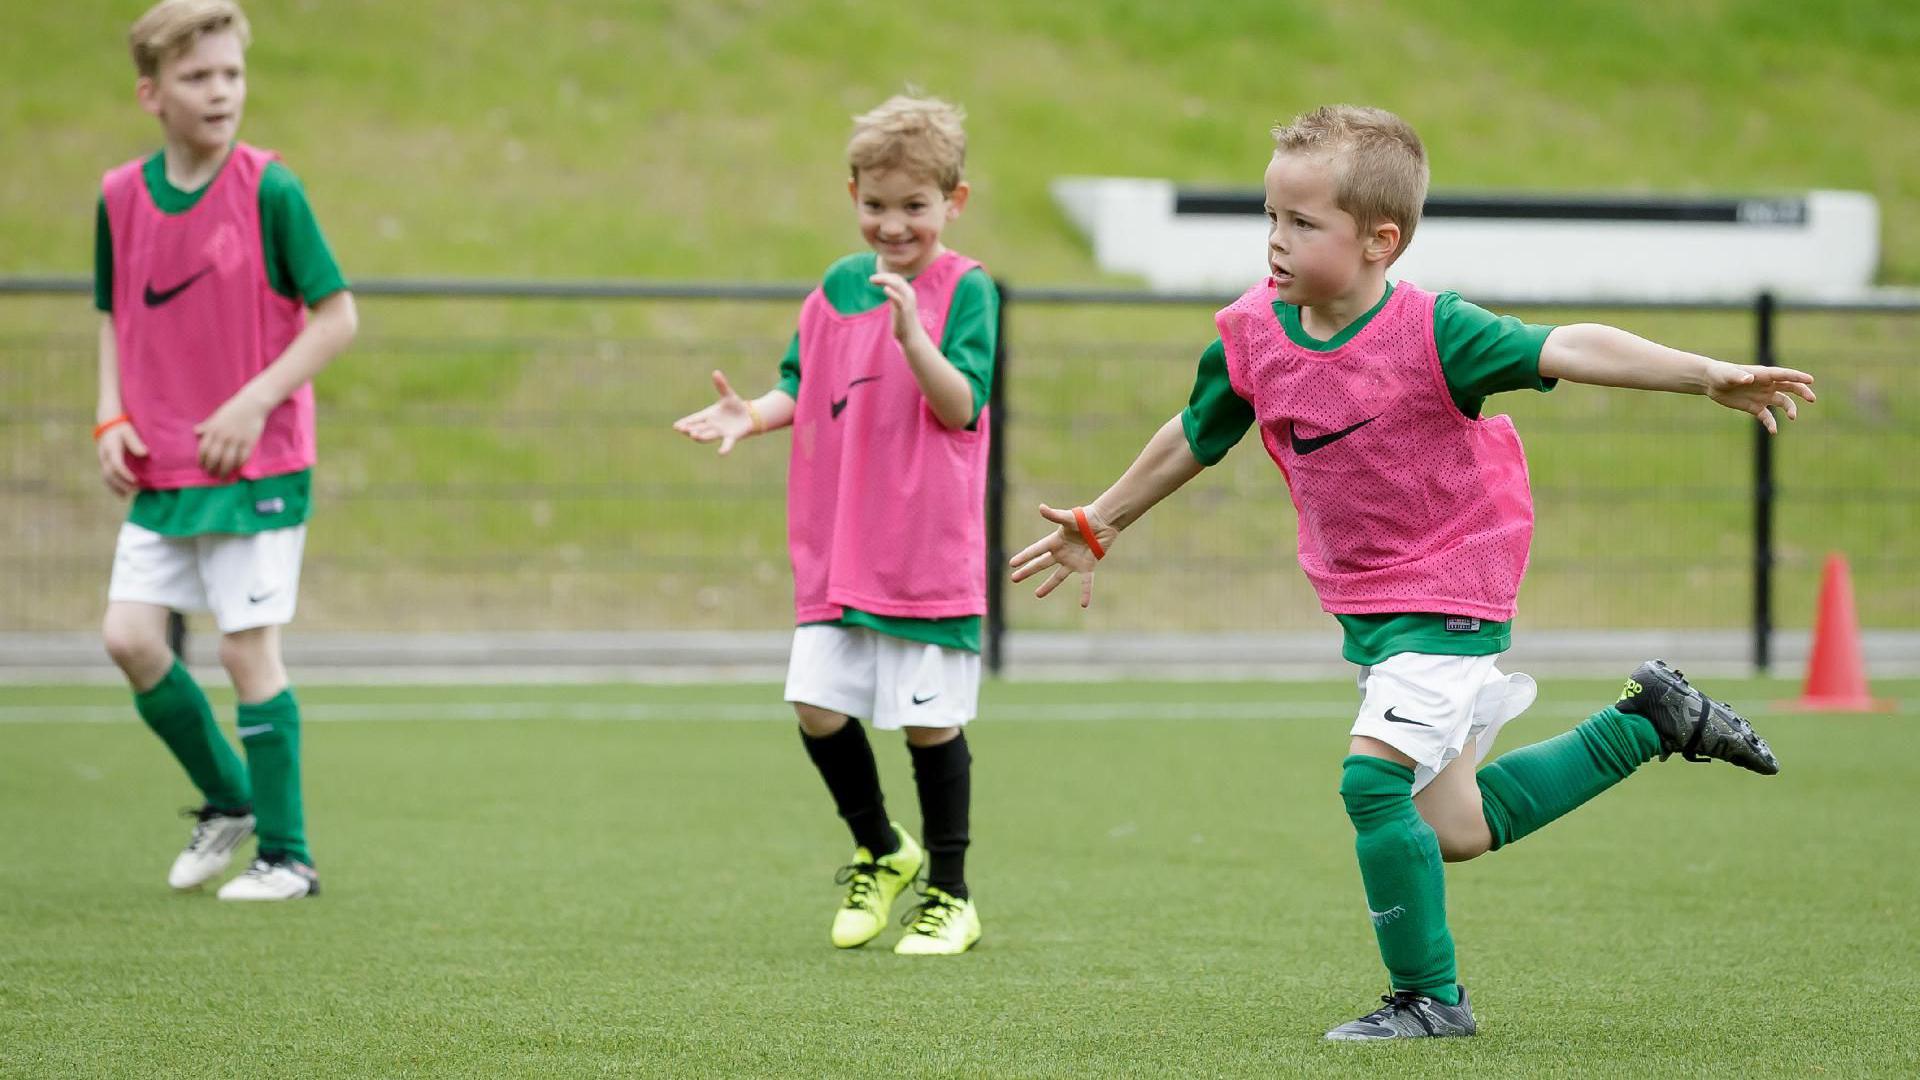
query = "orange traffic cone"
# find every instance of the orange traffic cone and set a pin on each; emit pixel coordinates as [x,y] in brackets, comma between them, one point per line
[1836,673]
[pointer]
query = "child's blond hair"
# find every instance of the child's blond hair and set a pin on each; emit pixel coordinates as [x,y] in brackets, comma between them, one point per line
[921,135]
[1379,165]
[171,27]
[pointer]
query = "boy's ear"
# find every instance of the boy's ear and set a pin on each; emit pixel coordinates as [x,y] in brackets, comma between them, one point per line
[853,189]
[146,90]
[957,199]
[1383,243]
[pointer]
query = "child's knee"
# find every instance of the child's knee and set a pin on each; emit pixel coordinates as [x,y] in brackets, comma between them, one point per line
[243,650]
[252,660]
[1373,788]
[135,645]
[816,722]
[1462,844]
[926,736]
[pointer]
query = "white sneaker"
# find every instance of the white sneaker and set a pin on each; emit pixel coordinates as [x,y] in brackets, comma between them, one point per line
[280,879]
[210,849]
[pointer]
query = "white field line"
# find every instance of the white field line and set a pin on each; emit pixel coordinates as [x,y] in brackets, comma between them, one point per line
[482,712]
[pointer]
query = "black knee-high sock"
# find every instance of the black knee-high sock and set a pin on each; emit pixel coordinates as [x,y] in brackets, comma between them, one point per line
[944,775]
[845,761]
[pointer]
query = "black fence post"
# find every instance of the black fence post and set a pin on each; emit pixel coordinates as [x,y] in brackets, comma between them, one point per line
[997,489]
[1763,493]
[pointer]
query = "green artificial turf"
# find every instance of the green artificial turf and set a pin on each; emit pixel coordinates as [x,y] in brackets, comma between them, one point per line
[614,880]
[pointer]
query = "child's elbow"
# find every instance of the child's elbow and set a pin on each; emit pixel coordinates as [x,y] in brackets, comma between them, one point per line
[345,316]
[955,420]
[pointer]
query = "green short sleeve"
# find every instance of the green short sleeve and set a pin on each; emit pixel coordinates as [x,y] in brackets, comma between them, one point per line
[300,265]
[973,329]
[102,259]
[789,383]
[968,342]
[1482,354]
[1216,418]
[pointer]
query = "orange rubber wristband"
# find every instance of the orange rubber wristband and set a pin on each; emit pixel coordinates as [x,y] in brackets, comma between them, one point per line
[1086,532]
[105,426]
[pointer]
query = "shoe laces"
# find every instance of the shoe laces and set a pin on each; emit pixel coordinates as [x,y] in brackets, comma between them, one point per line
[203,822]
[931,914]
[1400,1001]
[862,880]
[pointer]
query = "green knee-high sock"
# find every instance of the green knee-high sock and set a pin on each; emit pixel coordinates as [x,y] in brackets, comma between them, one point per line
[1529,787]
[177,711]
[1406,885]
[270,731]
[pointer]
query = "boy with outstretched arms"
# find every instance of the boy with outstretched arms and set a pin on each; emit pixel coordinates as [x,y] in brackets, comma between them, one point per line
[219,303]
[885,386]
[1415,521]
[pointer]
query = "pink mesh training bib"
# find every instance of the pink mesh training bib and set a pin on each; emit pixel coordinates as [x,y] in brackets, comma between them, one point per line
[886,507]
[195,318]
[1404,504]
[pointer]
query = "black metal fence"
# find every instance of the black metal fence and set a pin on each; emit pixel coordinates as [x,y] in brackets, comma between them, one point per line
[497,455]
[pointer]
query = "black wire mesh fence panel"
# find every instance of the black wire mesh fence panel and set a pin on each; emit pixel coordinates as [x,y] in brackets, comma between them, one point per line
[509,464]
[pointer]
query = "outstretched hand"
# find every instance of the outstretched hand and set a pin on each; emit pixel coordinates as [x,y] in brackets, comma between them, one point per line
[1758,390]
[728,419]
[1065,551]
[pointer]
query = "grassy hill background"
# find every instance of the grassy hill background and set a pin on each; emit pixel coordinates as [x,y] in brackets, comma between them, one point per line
[678,138]
[509,464]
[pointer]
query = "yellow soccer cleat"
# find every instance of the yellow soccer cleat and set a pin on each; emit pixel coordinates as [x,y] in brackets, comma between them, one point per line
[942,925]
[872,887]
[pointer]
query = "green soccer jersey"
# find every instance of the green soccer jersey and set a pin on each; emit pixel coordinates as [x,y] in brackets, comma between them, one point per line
[968,343]
[299,266]
[1481,354]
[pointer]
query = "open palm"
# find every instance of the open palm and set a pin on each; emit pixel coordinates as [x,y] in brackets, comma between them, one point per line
[1758,390]
[727,420]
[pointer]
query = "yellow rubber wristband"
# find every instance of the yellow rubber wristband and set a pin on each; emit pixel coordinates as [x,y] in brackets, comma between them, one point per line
[758,425]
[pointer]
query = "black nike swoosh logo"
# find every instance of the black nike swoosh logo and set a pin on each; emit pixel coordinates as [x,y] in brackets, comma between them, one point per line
[840,403]
[1392,719]
[918,700]
[1307,446]
[156,297]
[254,599]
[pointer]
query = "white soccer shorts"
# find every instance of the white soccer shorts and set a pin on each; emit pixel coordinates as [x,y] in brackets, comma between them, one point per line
[1431,707]
[246,579]
[887,681]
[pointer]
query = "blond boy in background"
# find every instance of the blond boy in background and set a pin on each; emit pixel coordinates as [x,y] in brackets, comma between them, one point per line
[219,302]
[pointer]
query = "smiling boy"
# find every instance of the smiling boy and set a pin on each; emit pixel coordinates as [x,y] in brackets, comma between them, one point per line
[885,385]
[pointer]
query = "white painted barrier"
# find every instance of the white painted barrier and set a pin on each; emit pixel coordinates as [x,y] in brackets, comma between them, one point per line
[1823,244]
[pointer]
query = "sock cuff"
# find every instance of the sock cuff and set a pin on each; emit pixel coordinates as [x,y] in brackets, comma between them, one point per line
[851,731]
[1493,782]
[1638,732]
[1363,775]
[948,757]
[281,707]
[176,682]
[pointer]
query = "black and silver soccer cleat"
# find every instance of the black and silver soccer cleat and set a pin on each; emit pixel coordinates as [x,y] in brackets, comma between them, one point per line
[1407,1015]
[1692,724]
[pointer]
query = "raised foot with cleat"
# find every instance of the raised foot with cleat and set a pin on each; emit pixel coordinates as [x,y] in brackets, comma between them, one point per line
[215,834]
[873,884]
[1407,1015]
[1692,724]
